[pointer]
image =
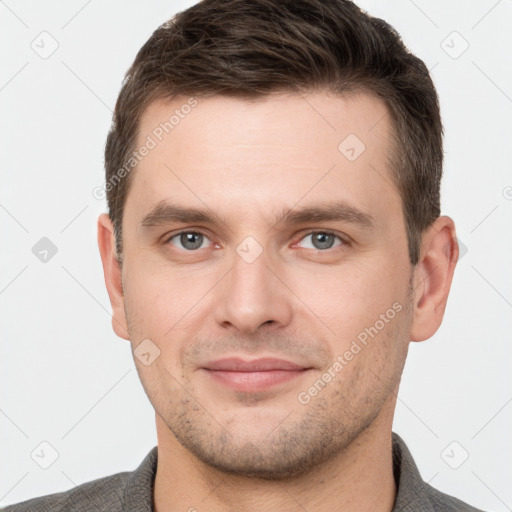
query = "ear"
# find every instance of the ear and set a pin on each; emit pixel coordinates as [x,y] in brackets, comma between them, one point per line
[113,274]
[433,277]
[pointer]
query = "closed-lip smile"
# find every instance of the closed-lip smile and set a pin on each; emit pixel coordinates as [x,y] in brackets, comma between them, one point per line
[253,375]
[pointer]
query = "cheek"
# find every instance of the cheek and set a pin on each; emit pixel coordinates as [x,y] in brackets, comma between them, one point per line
[350,297]
[157,298]
[373,354]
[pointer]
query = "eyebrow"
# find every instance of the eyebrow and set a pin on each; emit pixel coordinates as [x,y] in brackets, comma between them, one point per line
[166,213]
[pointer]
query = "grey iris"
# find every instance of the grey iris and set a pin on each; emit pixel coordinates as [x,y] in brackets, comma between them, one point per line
[191,240]
[322,240]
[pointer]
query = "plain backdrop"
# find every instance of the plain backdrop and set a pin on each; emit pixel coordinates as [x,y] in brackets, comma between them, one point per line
[67,381]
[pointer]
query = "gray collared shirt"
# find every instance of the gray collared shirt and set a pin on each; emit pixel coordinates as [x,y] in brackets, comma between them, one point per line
[133,491]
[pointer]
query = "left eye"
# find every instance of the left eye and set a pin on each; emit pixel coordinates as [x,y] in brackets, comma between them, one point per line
[321,240]
[189,240]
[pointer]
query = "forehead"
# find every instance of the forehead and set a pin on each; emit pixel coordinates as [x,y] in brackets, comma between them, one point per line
[276,150]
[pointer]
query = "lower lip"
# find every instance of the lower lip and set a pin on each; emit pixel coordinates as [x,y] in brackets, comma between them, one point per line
[254,381]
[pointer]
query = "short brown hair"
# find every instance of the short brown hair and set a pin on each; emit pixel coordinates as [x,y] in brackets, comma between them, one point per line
[252,48]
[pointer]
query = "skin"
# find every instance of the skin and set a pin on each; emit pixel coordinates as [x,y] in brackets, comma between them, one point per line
[247,161]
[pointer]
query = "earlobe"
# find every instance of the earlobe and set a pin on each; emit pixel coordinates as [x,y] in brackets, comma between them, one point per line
[113,274]
[433,277]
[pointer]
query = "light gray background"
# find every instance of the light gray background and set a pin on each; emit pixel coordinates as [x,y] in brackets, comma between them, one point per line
[66,379]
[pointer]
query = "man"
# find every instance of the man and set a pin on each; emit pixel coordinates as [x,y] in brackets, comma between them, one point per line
[273,244]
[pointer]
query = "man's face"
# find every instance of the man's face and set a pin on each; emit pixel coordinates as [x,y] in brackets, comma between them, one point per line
[250,284]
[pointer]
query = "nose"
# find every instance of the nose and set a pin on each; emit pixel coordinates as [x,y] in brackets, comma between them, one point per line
[252,295]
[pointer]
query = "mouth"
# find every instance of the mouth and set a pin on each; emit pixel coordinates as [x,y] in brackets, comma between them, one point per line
[255,375]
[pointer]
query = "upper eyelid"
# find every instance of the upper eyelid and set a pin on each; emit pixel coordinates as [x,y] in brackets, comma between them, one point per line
[168,236]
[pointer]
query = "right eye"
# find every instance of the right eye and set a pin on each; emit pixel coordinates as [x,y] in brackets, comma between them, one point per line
[189,240]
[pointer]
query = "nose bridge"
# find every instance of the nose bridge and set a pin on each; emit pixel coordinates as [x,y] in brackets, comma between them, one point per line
[250,294]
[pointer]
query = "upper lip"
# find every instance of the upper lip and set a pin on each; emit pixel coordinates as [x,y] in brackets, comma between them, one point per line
[235,364]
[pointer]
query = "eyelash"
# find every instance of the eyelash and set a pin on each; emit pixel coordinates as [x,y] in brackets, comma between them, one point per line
[343,240]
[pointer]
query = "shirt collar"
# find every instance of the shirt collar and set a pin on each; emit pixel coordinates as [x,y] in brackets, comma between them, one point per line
[138,495]
[410,487]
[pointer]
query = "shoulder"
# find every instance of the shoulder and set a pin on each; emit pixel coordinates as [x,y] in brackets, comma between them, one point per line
[414,494]
[444,503]
[106,494]
[102,494]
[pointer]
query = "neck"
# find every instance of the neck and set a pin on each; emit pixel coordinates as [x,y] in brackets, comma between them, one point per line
[360,478]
